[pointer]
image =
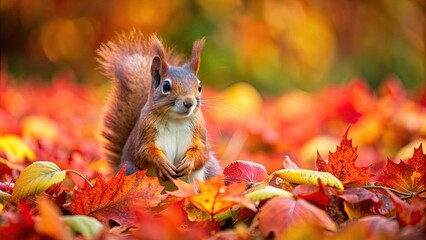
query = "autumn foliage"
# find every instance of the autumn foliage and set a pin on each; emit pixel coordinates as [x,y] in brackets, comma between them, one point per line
[55,184]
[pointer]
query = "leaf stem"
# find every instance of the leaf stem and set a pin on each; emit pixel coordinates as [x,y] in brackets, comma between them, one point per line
[81,175]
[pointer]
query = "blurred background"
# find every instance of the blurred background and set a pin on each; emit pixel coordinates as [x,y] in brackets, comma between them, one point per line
[273,44]
[285,77]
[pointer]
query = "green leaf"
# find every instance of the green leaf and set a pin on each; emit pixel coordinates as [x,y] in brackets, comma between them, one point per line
[303,176]
[221,217]
[267,192]
[87,226]
[37,178]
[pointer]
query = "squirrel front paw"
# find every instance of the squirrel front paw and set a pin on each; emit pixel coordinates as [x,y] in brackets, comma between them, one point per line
[185,167]
[166,170]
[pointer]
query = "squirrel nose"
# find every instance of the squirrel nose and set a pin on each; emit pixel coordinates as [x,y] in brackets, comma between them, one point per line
[188,103]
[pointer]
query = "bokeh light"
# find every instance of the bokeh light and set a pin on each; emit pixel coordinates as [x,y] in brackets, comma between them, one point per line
[274,45]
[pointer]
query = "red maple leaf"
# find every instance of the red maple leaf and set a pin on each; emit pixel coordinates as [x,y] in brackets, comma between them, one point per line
[407,177]
[342,164]
[118,197]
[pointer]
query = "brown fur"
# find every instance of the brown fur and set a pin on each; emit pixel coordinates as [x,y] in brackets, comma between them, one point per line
[136,106]
[121,60]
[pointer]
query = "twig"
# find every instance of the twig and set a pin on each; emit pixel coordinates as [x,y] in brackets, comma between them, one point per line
[406,195]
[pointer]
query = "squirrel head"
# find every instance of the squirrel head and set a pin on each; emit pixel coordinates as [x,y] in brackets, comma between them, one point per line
[175,90]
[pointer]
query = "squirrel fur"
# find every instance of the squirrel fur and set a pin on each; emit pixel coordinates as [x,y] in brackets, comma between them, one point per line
[153,118]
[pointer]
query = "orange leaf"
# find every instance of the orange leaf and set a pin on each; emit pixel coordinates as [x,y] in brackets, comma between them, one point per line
[215,197]
[118,197]
[281,213]
[342,164]
[184,190]
[49,222]
[409,177]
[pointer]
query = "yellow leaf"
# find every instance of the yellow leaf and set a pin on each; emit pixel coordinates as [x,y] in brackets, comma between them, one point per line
[267,192]
[14,149]
[303,176]
[36,178]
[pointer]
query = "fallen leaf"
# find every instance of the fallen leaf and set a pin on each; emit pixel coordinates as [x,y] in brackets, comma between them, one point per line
[172,223]
[88,227]
[37,178]
[305,231]
[289,164]
[342,164]
[370,227]
[184,190]
[6,168]
[19,225]
[4,197]
[214,197]
[359,202]
[49,222]
[409,214]
[357,195]
[304,176]
[194,214]
[281,214]
[267,192]
[117,198]
[315,194]
[14,149]
[244,171]
[407,177]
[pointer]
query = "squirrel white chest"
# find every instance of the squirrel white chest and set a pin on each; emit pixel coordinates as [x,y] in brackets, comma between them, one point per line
[174,138]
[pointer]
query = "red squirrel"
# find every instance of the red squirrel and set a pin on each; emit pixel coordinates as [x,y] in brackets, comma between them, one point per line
[153,118]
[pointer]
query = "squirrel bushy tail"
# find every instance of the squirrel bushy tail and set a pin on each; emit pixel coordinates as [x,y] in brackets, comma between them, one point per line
[127,61]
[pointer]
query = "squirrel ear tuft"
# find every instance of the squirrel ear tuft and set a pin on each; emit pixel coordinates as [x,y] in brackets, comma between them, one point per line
[159,51]
[194,63]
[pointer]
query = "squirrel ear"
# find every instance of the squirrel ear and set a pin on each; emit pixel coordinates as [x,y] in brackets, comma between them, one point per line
[157,69]
[159,65]
[194,64]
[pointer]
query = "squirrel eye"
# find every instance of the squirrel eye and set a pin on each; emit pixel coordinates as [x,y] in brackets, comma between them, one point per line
[199,87]
[167,86]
